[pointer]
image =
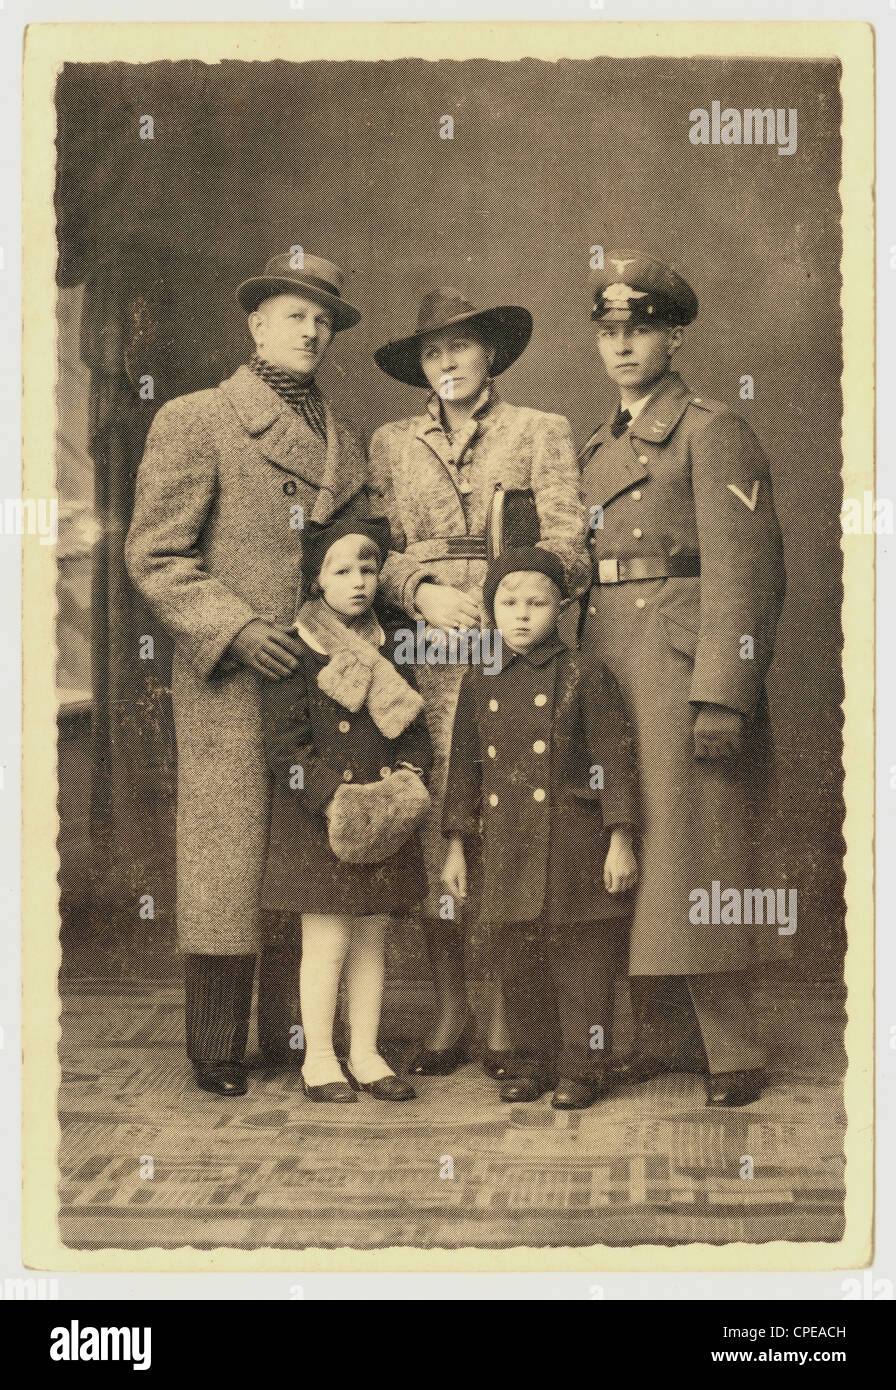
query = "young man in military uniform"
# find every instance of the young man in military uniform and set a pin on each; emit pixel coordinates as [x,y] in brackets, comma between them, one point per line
[688,583]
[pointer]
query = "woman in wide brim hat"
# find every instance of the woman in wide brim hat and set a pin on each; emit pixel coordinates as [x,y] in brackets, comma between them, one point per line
[439,474]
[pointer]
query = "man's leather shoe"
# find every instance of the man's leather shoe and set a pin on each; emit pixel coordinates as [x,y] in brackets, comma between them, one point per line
[221,1078]
[522,1088]
[572,1094]
[733,1088]
[385,1087]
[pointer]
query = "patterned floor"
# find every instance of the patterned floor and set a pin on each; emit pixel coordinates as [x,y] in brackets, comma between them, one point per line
[455,1168]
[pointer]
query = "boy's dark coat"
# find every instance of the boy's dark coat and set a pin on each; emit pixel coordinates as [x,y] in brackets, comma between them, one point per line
[542,855]
[303,727]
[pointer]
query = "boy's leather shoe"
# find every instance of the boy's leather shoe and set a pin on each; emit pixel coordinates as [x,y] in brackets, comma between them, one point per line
[221,1078]
[733,1088]
[572,1094]
[523,1088]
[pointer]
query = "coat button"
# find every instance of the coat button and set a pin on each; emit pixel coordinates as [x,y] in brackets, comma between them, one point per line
[642,458]
[592,609]
[639,602]
[637,495]
[539,746]
[493,705]
[344,726]
[541,700]
[493,800]
[538,794]
[492,751]
[384,771]
[289,488]
[347,775]
[697,400]
[637,533]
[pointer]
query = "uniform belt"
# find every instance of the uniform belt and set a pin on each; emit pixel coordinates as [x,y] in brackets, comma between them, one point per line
[616,571]
[463,547]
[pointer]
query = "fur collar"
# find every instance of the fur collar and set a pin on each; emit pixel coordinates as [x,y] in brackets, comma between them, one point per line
[356,674]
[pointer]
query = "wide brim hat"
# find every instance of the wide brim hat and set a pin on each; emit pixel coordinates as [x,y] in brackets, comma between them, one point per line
[310,276]
[507,328]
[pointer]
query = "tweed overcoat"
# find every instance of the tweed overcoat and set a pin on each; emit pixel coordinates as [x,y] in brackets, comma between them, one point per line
[216,541]
[689,476]
[306,727]
[527,745]
[432,488]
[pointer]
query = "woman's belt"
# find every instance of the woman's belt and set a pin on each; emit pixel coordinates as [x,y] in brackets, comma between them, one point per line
[612,570]
[460,547]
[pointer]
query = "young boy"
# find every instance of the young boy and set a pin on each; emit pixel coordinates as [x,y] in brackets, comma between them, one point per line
[687,588]
[542,755]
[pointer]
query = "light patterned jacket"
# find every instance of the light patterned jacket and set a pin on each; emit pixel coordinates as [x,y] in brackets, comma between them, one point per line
[435,489]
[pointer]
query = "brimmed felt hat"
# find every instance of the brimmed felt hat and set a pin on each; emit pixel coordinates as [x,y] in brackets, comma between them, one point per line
[638,289]
[508,329]
[318,537]
[317,279]
[517,558]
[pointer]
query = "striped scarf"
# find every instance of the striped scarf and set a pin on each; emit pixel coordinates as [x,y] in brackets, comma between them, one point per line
[304,398]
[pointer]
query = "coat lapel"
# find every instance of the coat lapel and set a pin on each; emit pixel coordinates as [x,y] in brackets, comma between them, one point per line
[615,464]
[337,469]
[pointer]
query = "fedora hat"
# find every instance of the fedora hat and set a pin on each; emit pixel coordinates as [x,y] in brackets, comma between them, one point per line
[507,328]
[317,279]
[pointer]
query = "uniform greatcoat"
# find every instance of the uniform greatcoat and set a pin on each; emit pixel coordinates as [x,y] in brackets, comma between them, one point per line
[689,478]
[433,489]
[216,541]
[526,747]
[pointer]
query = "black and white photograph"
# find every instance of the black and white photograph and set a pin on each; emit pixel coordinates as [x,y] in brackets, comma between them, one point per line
[450,525]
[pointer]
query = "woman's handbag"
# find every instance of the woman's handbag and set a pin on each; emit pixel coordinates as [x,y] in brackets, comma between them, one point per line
[511,521]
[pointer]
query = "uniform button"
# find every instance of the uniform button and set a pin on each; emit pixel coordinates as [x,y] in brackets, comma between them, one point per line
[541,700]
[465,488]
[384,771]
[492,751]
[697,400]
[592,609]
[637,495]
[639,602]
[493,800]
[347,775]
[642,458]
[637,533]
[539,746]
[344,726]
[538,794]
[493,705]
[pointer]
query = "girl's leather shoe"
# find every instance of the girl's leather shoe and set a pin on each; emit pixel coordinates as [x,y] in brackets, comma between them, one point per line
[446,1060]
[385,1088]
[221,1078]
[338,1092]
[572,1094]
[525,1088]
[733,1088]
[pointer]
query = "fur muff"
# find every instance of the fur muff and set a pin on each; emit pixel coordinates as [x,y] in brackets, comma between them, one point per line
[371,821]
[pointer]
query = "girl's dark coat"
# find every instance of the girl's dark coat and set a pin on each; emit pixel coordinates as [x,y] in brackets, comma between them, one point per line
[303,727]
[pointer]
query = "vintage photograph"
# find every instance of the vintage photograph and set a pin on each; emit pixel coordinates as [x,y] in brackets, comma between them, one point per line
[451,825]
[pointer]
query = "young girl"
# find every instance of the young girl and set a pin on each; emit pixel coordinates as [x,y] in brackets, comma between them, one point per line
[347,743]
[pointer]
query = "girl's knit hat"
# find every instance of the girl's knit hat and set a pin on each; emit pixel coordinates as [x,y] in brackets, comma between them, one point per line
[317,538]
[524,557]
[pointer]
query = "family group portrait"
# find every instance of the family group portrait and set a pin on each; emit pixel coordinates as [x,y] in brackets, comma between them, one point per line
[450,757]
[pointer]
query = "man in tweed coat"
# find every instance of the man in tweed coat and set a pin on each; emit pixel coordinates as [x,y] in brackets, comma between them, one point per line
[227,480]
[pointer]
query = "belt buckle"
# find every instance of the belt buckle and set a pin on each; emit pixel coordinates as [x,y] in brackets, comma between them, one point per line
[608,571]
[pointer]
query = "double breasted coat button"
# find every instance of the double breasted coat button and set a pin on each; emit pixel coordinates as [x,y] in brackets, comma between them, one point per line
[637,533]
[640,602]
[289,488]
[493,705]
[493,800]
[541,700]
[347,775]
[539,794]
[642,458]
[637,494]
[492,751]
[344,726]
[539,746]
[592,609]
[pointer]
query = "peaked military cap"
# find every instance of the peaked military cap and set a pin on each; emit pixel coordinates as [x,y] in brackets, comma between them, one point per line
[634,288]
